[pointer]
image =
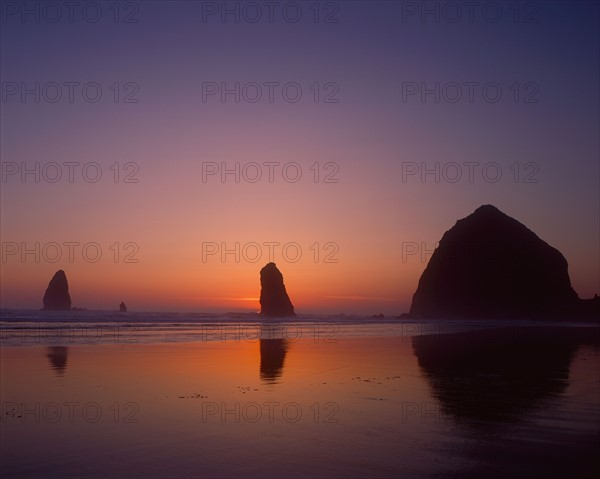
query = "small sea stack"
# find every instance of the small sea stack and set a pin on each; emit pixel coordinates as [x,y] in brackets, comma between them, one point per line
[57,296]
[274,300]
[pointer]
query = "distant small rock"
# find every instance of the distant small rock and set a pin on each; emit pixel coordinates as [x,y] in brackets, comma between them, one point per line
[274,300]
[589,309]
[57,296]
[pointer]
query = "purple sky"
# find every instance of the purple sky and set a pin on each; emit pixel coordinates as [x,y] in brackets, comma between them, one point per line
[363,119]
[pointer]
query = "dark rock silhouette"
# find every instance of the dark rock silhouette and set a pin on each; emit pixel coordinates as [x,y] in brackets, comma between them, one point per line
[489,265]
[274,300]
[58,358]
[57,294]
[589,309]
[123,307]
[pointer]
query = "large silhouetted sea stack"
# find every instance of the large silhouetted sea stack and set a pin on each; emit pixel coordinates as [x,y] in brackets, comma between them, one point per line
[57,294]
[274,300]
[488,265]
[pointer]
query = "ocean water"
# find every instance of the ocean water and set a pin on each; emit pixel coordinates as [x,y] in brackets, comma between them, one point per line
[105,394]
[31,327]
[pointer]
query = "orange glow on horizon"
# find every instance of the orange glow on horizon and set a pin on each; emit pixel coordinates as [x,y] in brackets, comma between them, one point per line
[372,274]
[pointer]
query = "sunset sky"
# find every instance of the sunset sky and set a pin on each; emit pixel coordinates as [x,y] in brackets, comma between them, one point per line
[361,131]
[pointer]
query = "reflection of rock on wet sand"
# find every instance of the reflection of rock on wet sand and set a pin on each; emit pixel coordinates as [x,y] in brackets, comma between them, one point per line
[498,374]
[272,353]
[58,358]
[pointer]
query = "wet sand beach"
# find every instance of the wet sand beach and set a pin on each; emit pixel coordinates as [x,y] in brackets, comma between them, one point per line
[468,404]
